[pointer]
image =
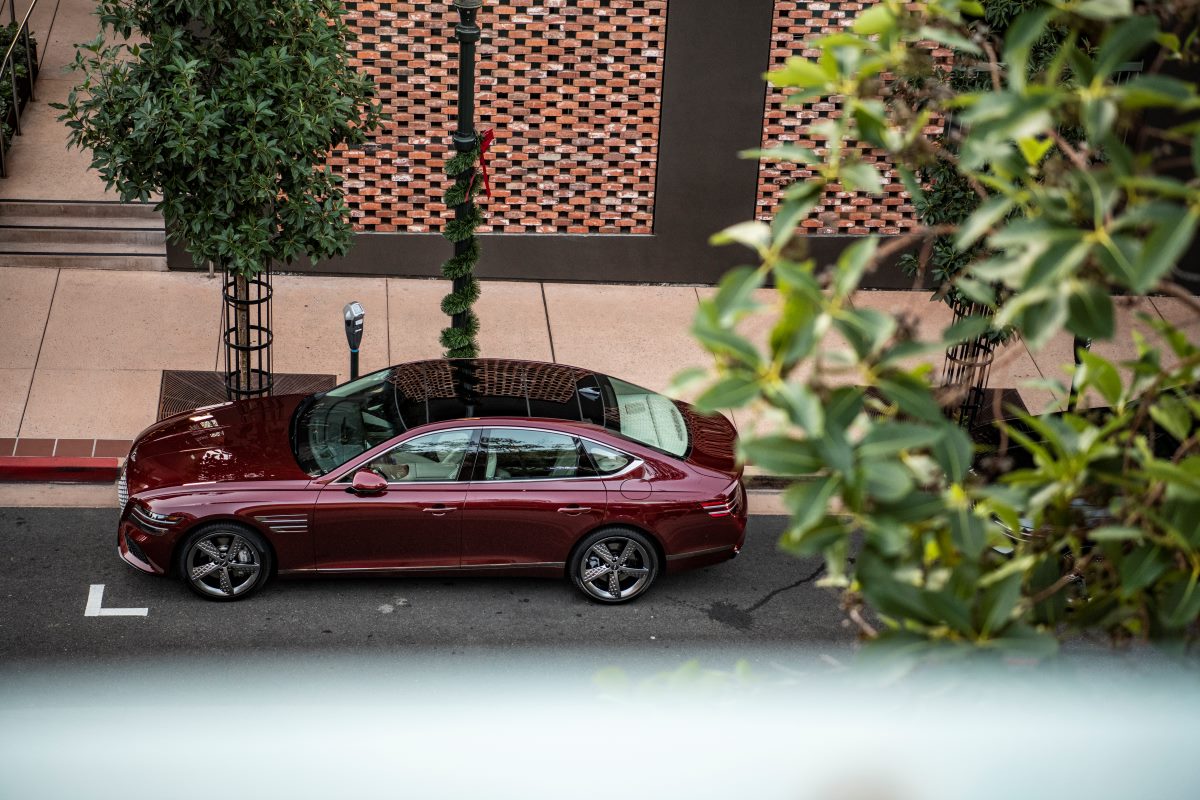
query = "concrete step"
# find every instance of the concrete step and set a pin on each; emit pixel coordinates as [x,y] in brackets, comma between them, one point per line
[82,261]
[75,210]
[101,223]
[132,239]
[81,235]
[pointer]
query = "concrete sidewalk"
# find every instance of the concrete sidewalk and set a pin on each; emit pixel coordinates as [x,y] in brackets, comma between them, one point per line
[85,349]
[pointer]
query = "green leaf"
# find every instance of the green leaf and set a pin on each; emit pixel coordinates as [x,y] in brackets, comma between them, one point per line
[949,38]
[755,235]
[794,209]
[913,397]
[859,176]
[877,19]
[953,452]
[867,330]
[887,480]
[1115,533]
[782,455]
[800,73]
[803,407]
[1164,248]
[1034,149]
[1090,311]
[886,439]
[784,152]
[1095,371]
[735,295]
[981,221]
[732,391]
[721,340]
[808,503]
[1141,567]
[1104,9]
[852,263]
[997,602]
[815,539]
[1019,41]
[1173,415]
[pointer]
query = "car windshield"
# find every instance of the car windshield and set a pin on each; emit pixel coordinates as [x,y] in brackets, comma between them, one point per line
[332,428]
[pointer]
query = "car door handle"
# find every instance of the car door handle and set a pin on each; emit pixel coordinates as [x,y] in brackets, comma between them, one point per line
[574,511]
[438,510]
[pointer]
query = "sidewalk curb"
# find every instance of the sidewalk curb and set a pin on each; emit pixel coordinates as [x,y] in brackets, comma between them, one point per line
[59,468]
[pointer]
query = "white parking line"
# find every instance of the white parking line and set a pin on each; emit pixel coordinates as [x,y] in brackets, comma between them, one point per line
[95,606]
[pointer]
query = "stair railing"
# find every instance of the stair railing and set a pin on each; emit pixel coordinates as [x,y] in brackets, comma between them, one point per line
[7,66]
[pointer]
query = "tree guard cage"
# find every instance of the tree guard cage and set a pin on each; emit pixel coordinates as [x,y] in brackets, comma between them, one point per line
[969,366]
[246,321]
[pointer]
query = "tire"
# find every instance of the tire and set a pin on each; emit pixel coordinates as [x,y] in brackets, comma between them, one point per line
[205,566]
[631,553]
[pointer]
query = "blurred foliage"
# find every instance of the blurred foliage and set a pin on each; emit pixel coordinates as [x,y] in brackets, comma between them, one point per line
[229,111]
[1103,506]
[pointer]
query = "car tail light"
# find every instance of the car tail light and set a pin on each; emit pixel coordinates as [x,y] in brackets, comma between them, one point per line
[727,506]
[721,508]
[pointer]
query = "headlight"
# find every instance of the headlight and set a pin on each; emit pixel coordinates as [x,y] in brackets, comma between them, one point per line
[151,522]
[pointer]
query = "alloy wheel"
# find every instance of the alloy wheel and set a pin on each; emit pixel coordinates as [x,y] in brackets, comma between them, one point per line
[613,569]
[223,565]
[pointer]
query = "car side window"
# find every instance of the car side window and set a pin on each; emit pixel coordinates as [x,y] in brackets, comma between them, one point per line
[520,454]
[433,457]
[607,460]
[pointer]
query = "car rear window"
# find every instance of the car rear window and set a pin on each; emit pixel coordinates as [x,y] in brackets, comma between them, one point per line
[648,417]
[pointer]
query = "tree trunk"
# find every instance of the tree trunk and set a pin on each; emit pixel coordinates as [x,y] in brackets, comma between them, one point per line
[242,339]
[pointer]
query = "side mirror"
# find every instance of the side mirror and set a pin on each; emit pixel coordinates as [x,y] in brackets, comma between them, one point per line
[367,482]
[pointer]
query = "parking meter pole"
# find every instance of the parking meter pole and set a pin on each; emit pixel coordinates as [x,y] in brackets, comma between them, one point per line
[467,34]
[353,315]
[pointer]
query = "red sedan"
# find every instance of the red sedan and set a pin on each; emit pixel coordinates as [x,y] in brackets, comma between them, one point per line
[481,466]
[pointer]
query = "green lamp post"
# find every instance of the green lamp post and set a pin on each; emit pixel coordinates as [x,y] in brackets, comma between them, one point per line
[460,338]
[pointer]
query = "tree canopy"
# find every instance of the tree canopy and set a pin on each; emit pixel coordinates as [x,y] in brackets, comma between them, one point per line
[228,111]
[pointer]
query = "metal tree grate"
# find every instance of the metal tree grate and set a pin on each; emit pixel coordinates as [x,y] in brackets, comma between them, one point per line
[246,323]
[183,390]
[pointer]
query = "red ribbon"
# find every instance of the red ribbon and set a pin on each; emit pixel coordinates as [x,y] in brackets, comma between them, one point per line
[489,136]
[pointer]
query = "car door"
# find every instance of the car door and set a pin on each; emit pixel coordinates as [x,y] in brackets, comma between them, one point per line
[415,523]
[533,494]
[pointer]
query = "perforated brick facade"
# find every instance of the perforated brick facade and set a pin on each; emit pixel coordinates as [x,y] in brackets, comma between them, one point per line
[839,212]
[577,119]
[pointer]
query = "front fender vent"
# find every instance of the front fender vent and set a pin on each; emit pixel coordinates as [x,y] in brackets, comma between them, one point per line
[285,523]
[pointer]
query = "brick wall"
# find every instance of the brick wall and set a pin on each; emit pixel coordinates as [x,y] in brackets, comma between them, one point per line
[576,120]
[839,212]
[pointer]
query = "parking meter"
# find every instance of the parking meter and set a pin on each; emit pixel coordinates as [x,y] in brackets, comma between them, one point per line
[353,313]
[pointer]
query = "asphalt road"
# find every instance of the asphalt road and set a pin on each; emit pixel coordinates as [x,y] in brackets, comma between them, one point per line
[764,599]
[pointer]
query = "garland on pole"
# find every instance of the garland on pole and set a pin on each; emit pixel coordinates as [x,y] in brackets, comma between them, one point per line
[461,342]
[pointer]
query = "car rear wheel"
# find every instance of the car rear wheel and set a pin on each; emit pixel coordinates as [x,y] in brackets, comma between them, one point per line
[614,565]
[225,562]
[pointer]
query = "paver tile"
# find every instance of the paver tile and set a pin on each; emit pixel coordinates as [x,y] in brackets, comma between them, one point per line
[132,321]
[91,403]
[25,297]
[310,333]
[415,318]
[14,389]
[636,333]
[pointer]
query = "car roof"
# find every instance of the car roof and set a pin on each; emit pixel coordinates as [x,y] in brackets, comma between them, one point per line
[440,390]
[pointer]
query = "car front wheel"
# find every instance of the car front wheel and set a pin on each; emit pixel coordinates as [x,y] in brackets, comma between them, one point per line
[614,565]
[223,562]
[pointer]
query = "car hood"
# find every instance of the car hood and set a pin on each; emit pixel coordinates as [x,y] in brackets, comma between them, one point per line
[247,440]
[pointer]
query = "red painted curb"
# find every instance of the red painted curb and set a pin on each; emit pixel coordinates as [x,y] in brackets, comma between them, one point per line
[50,468]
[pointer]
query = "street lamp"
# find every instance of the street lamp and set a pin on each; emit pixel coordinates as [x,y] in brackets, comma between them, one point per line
[467,34]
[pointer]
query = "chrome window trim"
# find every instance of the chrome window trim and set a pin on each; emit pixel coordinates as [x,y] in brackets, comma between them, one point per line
[635,462]
[350,472]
